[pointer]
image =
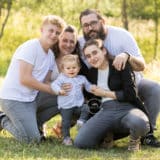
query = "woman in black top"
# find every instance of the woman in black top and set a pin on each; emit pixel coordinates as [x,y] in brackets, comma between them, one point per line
[122,110]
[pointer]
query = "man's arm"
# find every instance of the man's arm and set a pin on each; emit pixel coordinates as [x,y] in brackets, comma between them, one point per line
[137,63]
[26,78]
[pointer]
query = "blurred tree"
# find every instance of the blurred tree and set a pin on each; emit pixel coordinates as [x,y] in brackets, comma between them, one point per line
[124,14]
[61,9]
[5,7]
[148,9]
[140,9]
[156,27]
[96,4]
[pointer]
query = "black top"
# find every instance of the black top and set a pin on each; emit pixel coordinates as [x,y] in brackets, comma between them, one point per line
[121,82]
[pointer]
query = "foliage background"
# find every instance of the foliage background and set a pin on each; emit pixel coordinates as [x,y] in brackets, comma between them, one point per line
[26,15]
[23,24]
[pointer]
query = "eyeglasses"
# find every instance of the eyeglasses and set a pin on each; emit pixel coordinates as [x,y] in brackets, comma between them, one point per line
[92,24]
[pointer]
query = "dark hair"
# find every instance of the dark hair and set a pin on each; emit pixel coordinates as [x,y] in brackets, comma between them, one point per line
[99,44]
[70,29]
[90,11]
[96,42]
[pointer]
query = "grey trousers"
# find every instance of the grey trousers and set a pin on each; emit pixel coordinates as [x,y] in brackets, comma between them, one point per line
[23,119]
[149,92]
[114,117]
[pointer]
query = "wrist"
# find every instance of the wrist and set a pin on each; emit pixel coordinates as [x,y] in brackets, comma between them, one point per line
[60,93]
[128,56]
[104,93]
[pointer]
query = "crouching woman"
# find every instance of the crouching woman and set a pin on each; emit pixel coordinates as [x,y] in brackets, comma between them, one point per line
[122,111]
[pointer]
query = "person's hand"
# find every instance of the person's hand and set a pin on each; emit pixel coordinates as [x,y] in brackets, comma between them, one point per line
[93,88]
[62,93]
[66,87]
[97,91]
[120,61]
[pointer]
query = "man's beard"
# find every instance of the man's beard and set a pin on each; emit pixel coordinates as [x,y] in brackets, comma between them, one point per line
[99,34]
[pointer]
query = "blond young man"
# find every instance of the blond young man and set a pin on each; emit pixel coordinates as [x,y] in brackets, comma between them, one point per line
[28,73]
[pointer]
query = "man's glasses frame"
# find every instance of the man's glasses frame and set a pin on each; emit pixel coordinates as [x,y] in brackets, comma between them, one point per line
[92,24]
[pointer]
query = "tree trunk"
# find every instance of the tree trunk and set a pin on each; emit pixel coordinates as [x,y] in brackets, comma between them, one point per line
[96,4]
[9,4]
[61,9]
[124,14]
[156,28]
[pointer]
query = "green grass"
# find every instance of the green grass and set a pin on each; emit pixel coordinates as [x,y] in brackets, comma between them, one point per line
[22,25]
[52,149]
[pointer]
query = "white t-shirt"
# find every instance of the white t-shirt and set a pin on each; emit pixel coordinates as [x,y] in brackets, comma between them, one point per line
[119,40]
[30,52]
[103,82]
[55,72]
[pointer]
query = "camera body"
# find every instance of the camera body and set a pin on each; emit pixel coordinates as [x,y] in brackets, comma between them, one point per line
[94,105]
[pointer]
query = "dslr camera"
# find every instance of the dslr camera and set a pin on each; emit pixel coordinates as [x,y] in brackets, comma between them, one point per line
[94,105]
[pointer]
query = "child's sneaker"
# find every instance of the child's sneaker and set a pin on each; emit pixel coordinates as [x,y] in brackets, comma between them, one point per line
[79,124]
[134,144]
[67,141]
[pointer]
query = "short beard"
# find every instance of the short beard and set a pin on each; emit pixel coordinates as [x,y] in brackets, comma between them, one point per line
[100,34]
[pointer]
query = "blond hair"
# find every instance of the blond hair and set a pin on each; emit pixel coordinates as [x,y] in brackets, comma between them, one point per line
[70,58]
[55,20]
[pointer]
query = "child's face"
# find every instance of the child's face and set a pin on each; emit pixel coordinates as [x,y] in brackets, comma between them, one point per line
[71,69]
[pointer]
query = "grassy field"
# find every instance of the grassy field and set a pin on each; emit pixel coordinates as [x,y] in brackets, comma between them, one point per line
[52,149]
[22,25]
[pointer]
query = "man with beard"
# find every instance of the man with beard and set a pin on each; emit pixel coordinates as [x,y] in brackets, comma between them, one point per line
[122,46]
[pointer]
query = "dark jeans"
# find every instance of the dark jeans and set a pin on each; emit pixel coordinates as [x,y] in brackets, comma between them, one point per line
[69,114]
[47,107]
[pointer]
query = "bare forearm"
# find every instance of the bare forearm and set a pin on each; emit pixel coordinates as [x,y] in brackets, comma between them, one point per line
[137,63]
[103,93]
[27,79]
[35,84]
[109,94]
